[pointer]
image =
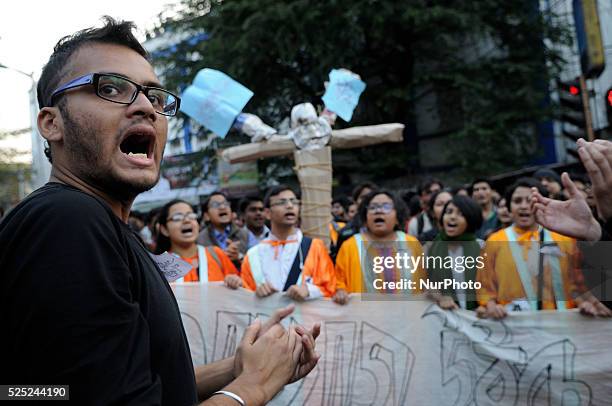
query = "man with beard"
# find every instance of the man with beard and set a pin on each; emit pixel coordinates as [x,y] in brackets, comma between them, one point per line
[82,303]
[252,211]
[288,261]
[483,194]
[221,231]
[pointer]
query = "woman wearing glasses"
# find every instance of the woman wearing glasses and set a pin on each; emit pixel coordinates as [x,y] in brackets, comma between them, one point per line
[392,258]
[178,231]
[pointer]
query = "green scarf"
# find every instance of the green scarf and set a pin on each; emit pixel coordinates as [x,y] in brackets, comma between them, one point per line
[439,248]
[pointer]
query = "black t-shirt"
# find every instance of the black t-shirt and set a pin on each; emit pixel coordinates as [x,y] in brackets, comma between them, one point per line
[83,304]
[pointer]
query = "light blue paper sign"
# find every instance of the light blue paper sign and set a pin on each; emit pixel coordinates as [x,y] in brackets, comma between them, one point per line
[342,94]
[214,100]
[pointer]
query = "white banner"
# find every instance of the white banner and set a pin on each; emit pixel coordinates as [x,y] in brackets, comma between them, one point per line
[413,353]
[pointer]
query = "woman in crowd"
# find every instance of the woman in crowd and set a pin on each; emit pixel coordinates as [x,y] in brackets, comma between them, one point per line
[436,207]
[178,231]
[382,213]
[460,219]
[503,214]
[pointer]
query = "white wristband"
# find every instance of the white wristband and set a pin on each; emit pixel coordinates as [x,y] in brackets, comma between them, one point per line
[231,395]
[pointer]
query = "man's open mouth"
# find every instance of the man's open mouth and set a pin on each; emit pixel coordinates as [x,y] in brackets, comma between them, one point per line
[138,144]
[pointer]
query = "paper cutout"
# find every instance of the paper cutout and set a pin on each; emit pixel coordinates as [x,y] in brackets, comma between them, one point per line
[215,100]
[343,91]
[171,266]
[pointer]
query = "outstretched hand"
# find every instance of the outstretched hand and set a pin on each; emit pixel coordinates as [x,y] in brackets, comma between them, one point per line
[571,217]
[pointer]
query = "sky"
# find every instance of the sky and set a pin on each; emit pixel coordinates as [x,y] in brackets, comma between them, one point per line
[30,29]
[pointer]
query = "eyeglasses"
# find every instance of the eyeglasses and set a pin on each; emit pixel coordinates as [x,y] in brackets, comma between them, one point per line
[180,217]
[285,202]
[386,208]
[118,89]
[218,205]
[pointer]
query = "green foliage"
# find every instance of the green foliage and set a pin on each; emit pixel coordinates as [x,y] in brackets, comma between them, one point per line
[491,55]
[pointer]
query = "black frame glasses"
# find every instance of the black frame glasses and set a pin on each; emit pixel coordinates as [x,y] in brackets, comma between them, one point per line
[164,102]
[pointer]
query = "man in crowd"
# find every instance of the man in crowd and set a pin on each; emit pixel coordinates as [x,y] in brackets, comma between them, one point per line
[339,210]
[288,261]
[531,268]
[483,194]
[551,182]
[423,222]
[252,211]
[82,302]
[221,231]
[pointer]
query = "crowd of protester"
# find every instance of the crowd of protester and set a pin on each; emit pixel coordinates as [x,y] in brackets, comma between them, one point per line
[260,246]
[84,304]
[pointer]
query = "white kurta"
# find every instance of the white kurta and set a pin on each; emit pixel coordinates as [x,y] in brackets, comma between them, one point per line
[276,261]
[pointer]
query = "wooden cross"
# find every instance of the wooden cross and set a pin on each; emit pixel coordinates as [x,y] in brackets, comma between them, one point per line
[314,168]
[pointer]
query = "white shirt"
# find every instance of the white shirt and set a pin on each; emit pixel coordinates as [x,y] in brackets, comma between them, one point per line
[276,261]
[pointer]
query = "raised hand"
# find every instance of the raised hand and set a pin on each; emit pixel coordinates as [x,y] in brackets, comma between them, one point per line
[596,157]
[571,217]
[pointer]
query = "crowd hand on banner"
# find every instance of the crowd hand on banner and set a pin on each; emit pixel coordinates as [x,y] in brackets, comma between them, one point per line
[233,250]
[298,293]
[590,306]
[493,310]
[596,157]
[233,281]
[445,302]
[341,297]
[309,357]
[571,217]
[265,289]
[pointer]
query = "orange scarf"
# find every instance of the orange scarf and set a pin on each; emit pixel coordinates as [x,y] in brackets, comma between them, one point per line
[276,244]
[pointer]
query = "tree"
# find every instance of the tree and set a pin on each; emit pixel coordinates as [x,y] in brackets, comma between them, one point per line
[488,62]
[11,170]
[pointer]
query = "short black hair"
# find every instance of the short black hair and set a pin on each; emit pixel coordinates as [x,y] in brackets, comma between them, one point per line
[162,243]
[523,182]
[54,72]
[246,201]
[275,191]
[344,201]
[471,211]
[398,204]
[480,180]
[209,197]
[359,188]
[426,183]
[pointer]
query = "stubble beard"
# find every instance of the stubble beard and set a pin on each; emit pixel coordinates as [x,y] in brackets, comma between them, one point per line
[84,149]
